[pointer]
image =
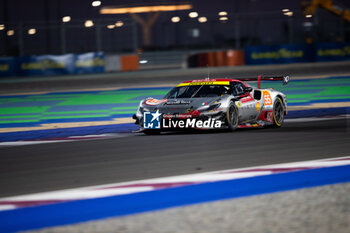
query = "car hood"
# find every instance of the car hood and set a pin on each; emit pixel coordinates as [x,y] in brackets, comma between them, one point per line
[184,105]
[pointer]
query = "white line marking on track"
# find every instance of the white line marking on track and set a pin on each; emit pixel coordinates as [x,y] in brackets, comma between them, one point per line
[7,207]
[310,119]
[123,188]
[66,139]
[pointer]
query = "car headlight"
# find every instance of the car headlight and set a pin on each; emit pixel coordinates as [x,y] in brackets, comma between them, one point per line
[214,106]
[143,109]
[209,107]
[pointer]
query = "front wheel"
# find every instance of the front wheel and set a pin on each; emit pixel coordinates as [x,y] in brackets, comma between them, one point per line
[278,113]
[232,117]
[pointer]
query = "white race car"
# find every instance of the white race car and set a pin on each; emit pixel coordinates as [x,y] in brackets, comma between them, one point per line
[214,103]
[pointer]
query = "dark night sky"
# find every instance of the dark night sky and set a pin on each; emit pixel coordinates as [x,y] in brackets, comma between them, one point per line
[254,29]
[37,10]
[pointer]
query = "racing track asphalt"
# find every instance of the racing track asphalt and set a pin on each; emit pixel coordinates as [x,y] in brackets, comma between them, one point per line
[45,167]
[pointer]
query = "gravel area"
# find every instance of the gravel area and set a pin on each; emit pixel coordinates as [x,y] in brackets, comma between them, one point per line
[322,209]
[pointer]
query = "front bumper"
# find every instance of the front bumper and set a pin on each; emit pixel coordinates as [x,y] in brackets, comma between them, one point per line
[184,121]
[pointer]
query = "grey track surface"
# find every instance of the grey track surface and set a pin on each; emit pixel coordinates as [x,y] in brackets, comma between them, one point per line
[162,77]
[323,209]
[44,167]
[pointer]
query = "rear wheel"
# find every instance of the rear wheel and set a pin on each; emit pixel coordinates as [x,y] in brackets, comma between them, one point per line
[278,113]
[232,117]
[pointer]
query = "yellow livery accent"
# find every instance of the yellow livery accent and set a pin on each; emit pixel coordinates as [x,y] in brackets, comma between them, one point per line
[204,83]
[257,106]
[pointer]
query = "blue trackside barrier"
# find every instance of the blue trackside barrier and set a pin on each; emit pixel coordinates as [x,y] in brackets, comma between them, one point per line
[52,64]
[7,66]
[276,54]
[45,65]
[296,53]
[332,51]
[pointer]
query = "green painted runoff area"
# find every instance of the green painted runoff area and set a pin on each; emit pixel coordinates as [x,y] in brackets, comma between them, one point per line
[33,110]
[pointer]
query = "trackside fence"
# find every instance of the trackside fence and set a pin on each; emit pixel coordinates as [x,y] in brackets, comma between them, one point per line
[98,62]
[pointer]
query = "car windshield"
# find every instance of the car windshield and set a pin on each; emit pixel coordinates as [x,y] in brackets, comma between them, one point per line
[197,91]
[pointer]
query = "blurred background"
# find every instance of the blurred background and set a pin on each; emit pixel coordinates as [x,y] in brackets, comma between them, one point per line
[168,34]
[76,71]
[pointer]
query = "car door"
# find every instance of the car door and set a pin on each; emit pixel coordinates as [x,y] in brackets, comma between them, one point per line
[247,106]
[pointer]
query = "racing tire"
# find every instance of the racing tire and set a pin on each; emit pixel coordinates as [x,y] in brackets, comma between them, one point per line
[278,113]
[151,132]
[232,117]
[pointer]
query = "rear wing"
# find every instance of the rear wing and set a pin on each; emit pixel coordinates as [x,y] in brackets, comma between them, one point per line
[285,79]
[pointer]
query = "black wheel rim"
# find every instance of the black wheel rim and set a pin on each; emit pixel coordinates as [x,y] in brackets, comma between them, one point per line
[279,112]
[232,115]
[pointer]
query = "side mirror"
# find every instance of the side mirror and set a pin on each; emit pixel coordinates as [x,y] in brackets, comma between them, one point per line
[248,89]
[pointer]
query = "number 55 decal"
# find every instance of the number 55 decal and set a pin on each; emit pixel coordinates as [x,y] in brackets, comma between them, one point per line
[267,98]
